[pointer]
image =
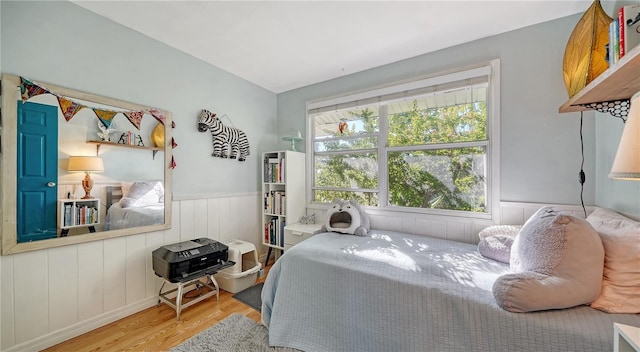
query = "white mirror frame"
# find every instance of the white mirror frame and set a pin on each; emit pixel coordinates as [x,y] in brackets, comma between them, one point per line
[8,182]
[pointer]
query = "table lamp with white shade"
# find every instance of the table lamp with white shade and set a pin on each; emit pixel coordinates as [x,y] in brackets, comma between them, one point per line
[626,165]
[86,164]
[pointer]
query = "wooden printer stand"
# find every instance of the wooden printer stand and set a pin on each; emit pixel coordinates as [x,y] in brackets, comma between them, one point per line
[211,284]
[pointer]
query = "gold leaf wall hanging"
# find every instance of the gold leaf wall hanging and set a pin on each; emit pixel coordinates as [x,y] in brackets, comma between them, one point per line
[157,136]
[585,54]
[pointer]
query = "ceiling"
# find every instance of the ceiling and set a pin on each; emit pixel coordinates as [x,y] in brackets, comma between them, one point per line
[283,45]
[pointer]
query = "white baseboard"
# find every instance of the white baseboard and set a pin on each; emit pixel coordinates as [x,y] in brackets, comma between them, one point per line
[58,336]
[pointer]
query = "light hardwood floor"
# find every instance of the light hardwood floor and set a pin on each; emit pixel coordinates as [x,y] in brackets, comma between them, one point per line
[156,328]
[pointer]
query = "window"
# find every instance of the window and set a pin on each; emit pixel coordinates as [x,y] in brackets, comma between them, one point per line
[424,146]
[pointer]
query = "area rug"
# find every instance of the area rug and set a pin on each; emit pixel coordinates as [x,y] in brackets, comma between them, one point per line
[251,296]
[236,333]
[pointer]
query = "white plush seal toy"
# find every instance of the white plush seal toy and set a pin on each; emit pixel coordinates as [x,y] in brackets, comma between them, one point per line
[346,216]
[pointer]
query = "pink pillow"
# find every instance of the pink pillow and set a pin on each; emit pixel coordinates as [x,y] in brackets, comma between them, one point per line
[621,277]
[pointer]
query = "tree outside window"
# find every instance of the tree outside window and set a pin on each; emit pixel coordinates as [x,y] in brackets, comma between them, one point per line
[430,148]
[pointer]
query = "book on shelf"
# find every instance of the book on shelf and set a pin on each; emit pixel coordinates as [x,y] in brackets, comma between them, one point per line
[274,202]
[274,232]
[613,47]
[281,234]
[272,170]
[67,214]
[628,28]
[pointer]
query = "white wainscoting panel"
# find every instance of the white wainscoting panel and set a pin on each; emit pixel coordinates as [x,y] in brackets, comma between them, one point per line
[187,220]
[212,217]
[7,308]
[115,265]
[63,280]
[90,279]
[31,300]
[172,235]
[200,218]
[52,295]
[136,265]
[449,227]
[153,282]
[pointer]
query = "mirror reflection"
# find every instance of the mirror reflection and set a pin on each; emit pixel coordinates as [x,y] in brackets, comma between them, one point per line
[88,167]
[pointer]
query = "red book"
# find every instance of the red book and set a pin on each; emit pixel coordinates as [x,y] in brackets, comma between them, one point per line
[629,27]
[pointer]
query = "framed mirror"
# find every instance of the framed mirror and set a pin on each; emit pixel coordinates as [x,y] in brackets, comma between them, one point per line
[79,167]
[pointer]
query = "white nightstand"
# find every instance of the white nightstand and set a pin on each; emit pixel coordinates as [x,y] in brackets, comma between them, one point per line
[296,233]
[626,338]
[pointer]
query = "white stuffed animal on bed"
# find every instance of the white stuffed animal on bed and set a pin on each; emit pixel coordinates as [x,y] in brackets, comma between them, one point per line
[346,216]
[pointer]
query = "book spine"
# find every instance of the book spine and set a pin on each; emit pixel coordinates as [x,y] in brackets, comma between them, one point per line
[631,25]
[67,214]
[621,31]
[282,225]
[616,41]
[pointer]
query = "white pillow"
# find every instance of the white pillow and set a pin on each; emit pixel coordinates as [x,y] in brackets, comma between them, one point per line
[496,247]
[140,194]
[621,277]
[500,230]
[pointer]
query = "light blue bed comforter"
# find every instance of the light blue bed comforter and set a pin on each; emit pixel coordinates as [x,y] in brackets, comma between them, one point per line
[399,292]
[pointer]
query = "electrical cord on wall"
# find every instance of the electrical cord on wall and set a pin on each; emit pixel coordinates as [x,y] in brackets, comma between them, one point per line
[581,175]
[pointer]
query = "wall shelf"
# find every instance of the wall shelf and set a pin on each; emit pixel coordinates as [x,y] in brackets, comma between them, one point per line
[99,143]
[620,82]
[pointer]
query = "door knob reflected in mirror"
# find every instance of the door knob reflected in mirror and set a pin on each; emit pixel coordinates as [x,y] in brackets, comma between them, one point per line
[51,184]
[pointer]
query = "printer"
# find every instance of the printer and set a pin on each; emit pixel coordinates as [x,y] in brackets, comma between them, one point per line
[187,260]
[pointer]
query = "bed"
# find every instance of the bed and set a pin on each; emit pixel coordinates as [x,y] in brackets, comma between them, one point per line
[392,291]
[137,209]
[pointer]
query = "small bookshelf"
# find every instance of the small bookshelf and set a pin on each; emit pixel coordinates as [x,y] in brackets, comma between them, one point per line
[283,196]
[74,213]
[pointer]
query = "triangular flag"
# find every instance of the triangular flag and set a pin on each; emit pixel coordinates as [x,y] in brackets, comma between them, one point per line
[69,108]
[173,163]
[173,143]
[158,115]
[105,116]
[29,89]
[135,117]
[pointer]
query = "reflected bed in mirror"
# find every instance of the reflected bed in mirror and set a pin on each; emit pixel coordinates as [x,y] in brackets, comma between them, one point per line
[46,202]
[134,204]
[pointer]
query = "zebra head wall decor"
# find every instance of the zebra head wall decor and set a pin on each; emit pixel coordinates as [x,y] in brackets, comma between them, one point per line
[228,142]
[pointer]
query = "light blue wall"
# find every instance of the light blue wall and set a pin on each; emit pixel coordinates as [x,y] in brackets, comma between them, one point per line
[61,43]
[540,148]
[621,195]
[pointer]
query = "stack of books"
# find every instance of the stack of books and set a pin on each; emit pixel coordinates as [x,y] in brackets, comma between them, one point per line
[624,32]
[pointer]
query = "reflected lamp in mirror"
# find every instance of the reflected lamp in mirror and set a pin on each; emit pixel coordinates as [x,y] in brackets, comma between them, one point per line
[626,165]
[86,164]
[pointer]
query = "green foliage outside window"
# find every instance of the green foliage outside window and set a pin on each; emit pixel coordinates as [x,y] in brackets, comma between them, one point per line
[424,175]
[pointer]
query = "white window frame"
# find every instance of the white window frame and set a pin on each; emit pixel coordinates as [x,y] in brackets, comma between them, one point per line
[490,69]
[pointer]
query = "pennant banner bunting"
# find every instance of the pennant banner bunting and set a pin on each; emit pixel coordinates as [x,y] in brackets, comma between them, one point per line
[158,115]
[28,89]
[135,117]
[105,116]
[69,108]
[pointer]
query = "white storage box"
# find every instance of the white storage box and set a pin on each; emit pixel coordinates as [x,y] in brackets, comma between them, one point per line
[244,272]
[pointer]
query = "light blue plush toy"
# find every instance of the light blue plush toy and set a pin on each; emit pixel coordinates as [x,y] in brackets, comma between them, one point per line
[346,216]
